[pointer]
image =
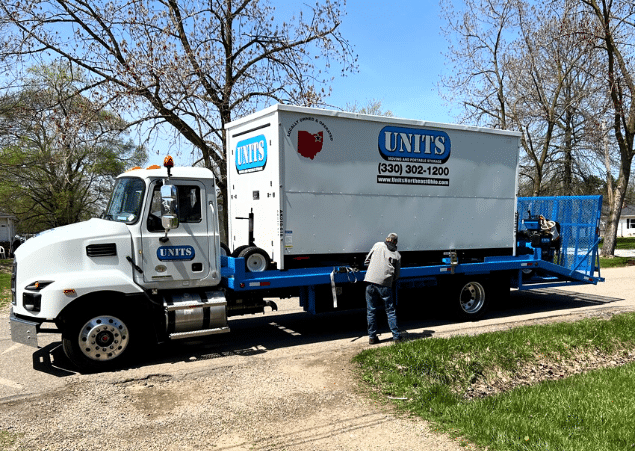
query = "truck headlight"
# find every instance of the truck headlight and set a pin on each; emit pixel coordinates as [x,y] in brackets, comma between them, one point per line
[39,285]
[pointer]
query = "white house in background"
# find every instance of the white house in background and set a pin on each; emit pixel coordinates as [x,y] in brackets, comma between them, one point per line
[626,226]
[7,232]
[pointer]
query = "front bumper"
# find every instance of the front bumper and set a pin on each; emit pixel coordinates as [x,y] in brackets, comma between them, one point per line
[23,331]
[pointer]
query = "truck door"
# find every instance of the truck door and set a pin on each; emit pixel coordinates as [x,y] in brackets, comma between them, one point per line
[184,256]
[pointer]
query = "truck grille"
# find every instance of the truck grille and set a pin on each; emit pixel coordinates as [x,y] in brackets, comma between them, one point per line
[101,250]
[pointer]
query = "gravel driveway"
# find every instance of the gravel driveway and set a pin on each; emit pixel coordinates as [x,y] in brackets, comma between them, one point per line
[282,381]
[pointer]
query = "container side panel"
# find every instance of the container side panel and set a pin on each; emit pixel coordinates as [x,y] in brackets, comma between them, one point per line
[347,183]
[326,223]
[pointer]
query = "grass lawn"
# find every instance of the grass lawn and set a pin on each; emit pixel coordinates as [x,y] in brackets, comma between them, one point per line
[625,243]
[615,262]
[529,388]
[5,289]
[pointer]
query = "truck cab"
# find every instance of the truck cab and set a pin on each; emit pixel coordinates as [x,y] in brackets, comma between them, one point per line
[111,284]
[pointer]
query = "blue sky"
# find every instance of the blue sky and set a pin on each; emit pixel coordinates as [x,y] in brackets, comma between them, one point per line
[400,56]
[400,49]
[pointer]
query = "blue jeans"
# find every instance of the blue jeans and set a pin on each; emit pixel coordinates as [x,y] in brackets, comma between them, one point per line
[377,297]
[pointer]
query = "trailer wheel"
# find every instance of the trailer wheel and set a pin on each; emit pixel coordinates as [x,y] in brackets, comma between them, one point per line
[97,341]
[224,250]
[239,249]
[471,299]
[256,259]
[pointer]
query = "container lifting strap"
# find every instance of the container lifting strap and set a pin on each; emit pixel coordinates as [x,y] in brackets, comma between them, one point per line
[453,258]
[352,278]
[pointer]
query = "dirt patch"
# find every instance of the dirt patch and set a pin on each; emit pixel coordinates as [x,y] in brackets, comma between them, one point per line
[6,266]
[300,402]
[544,370]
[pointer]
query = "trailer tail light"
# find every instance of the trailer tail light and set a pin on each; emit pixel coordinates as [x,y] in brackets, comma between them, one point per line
[255,284]
[259,284]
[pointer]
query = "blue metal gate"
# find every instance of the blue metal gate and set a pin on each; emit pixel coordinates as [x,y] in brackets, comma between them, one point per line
[579,220]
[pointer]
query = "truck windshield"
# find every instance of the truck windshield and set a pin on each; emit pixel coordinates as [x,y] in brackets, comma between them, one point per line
[126,199]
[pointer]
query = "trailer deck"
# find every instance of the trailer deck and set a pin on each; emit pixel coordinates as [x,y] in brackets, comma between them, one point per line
[575,261]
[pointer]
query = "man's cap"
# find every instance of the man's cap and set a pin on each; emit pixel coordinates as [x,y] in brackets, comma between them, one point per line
[392,237]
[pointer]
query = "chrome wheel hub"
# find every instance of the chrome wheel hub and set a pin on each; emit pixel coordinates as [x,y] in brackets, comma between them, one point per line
[472,297]
[103,338]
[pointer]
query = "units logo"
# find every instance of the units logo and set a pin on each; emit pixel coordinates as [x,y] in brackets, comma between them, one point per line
[175,253]
[251,154]
[414,145]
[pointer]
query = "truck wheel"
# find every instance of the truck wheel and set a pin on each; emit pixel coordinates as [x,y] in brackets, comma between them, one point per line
[97,342]
[470,299]
[256,259]
[224,250]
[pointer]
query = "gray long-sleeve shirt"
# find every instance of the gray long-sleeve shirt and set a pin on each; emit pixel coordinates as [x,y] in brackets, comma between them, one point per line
[383,264]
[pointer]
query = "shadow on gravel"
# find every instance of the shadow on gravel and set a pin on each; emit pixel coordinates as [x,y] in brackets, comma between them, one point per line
[51,360]
[257,334]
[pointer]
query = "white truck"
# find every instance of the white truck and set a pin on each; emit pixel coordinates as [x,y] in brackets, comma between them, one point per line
[309,192]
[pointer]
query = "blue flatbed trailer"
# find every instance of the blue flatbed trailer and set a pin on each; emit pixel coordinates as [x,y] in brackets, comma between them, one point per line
[570,259]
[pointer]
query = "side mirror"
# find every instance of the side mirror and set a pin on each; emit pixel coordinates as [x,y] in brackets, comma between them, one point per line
[169,207]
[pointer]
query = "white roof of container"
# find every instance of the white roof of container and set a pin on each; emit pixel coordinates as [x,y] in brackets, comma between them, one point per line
[365,117]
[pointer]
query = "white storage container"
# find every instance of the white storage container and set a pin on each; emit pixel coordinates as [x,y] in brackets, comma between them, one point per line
[324,186]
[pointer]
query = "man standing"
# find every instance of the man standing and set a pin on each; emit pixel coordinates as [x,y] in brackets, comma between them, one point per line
[384,263]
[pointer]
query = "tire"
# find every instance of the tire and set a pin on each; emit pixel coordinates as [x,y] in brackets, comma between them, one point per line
[470,299]
[256,259]
[224,250]
[239,249]
[98,341]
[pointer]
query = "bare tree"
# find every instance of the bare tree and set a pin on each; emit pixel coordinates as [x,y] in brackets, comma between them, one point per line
[373,107]
[524,67]
[615,26]
[553,83]
[480,35]
[59,153]
[191,64]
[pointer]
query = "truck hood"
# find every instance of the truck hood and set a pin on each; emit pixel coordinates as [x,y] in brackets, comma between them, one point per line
[76,247]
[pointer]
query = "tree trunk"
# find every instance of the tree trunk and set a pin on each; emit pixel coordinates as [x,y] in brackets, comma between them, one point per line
[613,220]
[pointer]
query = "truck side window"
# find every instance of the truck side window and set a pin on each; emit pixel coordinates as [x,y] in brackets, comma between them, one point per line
[189,207]
[189,204]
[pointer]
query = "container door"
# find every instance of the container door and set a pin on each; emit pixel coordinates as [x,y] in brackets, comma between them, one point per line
[254,188]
